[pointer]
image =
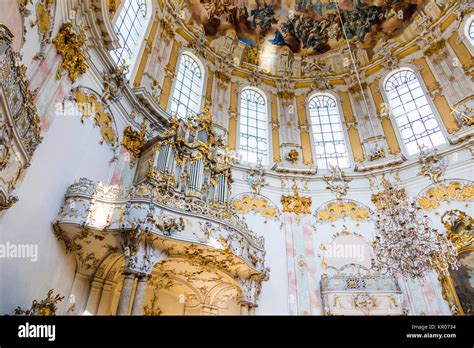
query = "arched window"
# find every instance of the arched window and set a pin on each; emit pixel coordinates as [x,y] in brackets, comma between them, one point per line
[470,31]
[253,143]
[130,27]
[412,112]
[187,92]
[328,136]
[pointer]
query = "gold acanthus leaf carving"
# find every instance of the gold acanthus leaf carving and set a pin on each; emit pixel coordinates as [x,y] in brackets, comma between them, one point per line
[293,156]
[452,191]
[432,164]
[22,6]
[459,226]
[284,94]
[254,204]
[113,5]
[69,45]
[342,209]
[222,76]
[45,307]
[296,204]
[134,140]
[383,199]
[377,154]
[90,107]
[435,47]
[44,19]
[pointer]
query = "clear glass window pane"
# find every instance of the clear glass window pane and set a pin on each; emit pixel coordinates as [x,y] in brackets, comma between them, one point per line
[330,146]
[412,112]
[130,28]
[187,93]
[254,137]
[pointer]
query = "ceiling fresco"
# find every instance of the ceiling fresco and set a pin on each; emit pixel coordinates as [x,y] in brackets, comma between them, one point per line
[305,26]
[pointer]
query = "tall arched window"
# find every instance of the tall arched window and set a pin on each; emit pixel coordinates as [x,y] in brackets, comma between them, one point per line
[328,136]
[130,27]
[187,92]
[253,143]
[412,112]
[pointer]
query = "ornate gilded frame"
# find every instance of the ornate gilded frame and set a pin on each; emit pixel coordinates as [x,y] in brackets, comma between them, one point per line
[448,290]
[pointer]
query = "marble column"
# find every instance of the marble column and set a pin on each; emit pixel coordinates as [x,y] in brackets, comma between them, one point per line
[126,294]
[140,295]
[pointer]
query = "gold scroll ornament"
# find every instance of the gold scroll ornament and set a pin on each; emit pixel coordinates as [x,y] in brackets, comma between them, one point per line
[452,191]
[254,204]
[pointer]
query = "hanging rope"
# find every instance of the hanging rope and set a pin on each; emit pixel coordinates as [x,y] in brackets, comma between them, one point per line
[351,54]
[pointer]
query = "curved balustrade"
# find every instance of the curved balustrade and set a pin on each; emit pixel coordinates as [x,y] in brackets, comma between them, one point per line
[92,206]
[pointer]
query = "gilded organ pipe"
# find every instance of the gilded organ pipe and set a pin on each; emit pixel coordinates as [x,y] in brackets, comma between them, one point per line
[190,159]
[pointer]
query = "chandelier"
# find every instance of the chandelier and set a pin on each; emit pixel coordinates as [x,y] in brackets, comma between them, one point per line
[406,245]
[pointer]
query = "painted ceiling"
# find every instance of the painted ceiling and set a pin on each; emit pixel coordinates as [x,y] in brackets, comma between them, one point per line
[305,26]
